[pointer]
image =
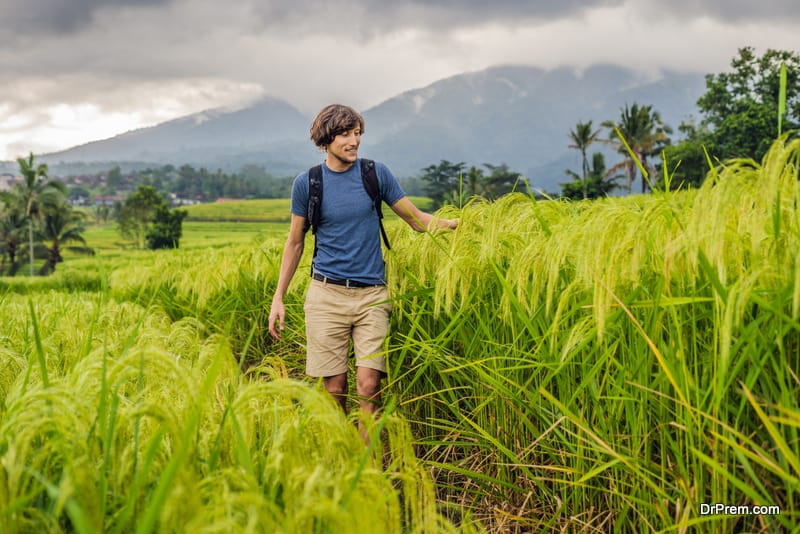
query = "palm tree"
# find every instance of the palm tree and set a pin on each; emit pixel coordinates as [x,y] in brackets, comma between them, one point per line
[12,233]
[582,136]
[644,132]
[35,190]
[61,225]
[474,179]
[600,183]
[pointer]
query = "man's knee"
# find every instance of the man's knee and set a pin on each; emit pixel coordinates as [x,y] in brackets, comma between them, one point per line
[368,383]
[336,385]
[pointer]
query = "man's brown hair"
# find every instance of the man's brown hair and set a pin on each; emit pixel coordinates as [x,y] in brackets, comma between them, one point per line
[333,120]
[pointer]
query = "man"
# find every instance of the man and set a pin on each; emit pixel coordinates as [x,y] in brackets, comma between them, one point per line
[347,298]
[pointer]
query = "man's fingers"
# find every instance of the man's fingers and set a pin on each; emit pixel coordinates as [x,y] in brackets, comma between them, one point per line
[276,321]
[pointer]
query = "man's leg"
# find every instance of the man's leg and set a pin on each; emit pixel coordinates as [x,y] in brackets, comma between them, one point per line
[368,388]
[370,326]
[337,386]
[327,338]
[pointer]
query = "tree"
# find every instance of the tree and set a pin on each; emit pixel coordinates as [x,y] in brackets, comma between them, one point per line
[167,228]
[113,179]
[37,189]
[500,181]
[189,183]
[646,135]
[137,213]
[61,225]
[582,137]
[101,213]
[79,194]
[595,185]
[13,225]
[740,108]
[443,181]
[687,160]
[475,178]
[448,183]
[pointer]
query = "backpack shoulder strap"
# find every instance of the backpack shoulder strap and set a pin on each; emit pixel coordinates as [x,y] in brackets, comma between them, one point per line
[314,199]
[314,206]
[369,177]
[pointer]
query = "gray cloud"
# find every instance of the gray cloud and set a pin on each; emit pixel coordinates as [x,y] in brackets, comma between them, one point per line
[370,18]
[58,16]
[360,19]
[160,58]
[37,17]
[727,11]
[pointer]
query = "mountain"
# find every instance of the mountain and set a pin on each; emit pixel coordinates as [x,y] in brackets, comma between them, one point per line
[213,138]
[516,115]
[521,116]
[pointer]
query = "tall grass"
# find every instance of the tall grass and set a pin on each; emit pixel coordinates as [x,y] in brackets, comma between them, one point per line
[612,364]
[598,366]
[135,422]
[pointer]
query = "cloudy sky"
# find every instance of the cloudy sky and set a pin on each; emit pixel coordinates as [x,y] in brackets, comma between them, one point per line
[72,71]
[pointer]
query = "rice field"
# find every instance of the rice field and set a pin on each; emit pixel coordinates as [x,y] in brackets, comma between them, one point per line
[258,211]
[119,417]
[618,365]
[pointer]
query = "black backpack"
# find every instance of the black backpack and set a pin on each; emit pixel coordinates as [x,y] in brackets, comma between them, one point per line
[370,180]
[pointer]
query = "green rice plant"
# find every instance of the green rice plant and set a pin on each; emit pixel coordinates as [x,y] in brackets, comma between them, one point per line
[274,210]
[71,278]
[607,365]
[781,98]
[610,365]
[139,423]
[228,290]
[261,210]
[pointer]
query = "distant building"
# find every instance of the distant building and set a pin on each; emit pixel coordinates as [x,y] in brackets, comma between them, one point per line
[175,200]
[106,200]
[7,181]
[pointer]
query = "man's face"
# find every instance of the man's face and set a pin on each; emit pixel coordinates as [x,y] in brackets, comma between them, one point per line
[344,147]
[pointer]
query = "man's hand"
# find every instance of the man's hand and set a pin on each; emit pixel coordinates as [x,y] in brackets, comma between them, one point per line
[277,314]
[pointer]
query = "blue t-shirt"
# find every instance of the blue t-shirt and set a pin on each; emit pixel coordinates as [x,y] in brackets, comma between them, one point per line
[348,238]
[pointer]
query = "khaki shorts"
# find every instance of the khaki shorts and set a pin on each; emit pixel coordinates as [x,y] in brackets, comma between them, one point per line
[337,314]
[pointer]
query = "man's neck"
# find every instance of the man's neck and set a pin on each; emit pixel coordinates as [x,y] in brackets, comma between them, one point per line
[337,165]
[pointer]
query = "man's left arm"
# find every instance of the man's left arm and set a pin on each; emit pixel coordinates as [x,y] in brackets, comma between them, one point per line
[418,219]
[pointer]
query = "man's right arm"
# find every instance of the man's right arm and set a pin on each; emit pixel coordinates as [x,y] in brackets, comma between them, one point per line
[292,252]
